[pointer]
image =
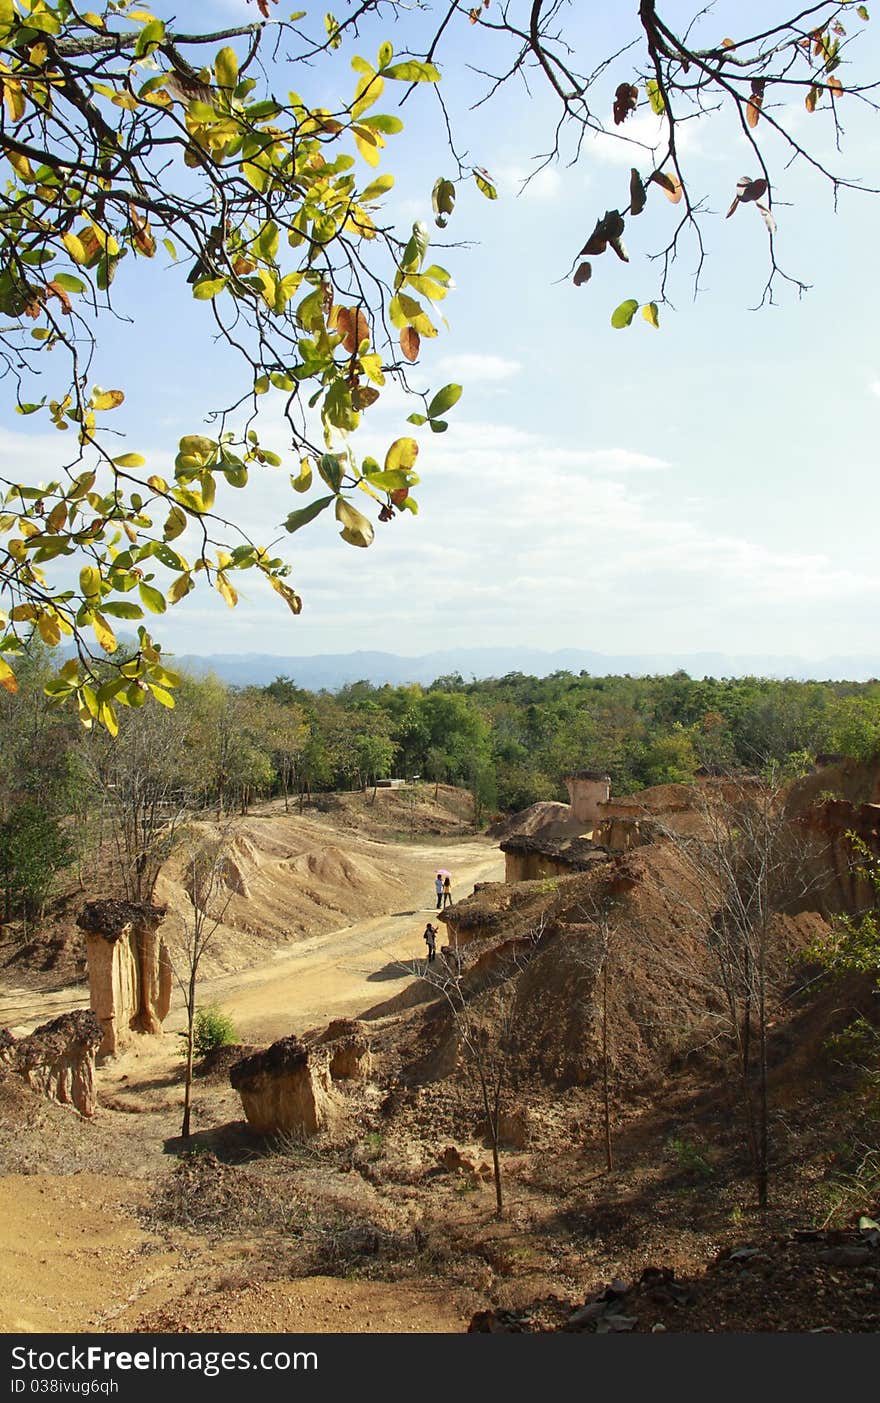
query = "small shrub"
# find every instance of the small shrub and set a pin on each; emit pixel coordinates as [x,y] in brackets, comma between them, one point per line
[858,1042]
[213,1028]
[690,1161]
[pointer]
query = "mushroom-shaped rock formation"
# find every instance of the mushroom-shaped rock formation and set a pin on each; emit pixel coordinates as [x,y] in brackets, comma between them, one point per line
[286,1089]
[58,1058]
[129,969]
[289,1087]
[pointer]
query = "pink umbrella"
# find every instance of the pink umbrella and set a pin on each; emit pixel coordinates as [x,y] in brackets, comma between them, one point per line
[443,872]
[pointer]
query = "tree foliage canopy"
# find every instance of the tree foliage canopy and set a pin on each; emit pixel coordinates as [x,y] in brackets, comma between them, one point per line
[126,142]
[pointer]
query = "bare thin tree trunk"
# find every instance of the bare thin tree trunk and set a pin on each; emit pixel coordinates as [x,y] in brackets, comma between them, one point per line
[609,1156]
[190,1025]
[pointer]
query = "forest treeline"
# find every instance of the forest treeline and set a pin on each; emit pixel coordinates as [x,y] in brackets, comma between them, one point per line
[509,740]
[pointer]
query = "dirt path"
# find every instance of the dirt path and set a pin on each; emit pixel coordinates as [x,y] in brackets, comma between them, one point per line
[347,970]
[325,976]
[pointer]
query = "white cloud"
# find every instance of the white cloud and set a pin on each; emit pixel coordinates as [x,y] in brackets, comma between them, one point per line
[874,387]
[530,184]
[628,144]
[470,366]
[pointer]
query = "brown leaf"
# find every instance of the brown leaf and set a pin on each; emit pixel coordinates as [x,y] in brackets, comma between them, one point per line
[753,110]
[811,99]
[625,101]
[362,396]
[56,290]
[595,245]
[143,239]
[728,43]
[669,184]
[836,86]
[410,342]
[399,496]
[353,327]
[583,274]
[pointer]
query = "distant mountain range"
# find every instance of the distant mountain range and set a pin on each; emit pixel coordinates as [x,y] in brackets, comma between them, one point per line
[329,671]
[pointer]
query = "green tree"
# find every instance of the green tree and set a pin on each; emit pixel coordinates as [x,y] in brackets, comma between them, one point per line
[33,849]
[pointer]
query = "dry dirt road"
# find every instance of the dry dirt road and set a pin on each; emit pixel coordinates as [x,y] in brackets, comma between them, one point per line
[345,971]
[340,972]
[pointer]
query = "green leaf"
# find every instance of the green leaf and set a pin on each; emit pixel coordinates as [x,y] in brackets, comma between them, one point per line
[208,288]
[650,313]
[444,400]
[388,126]
[151,35]
[69,283]
[330,469]
[417,419]
[637,192]
[623,315]
[413,71]
[122,609]
[130,460]
[152,598]
[306,514]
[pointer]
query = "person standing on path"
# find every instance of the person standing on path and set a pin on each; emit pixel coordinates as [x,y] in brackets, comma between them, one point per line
[430,938]
[447,891]
[438,887]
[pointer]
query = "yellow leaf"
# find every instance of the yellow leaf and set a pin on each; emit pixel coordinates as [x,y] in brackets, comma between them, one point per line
[226,589]
[402,454]
[162,697]
[181,587]
[104,633]
[47,626]
[106,399]
[107,718]
[7,677]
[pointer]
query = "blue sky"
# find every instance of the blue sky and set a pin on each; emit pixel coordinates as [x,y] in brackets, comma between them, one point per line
[707,486]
